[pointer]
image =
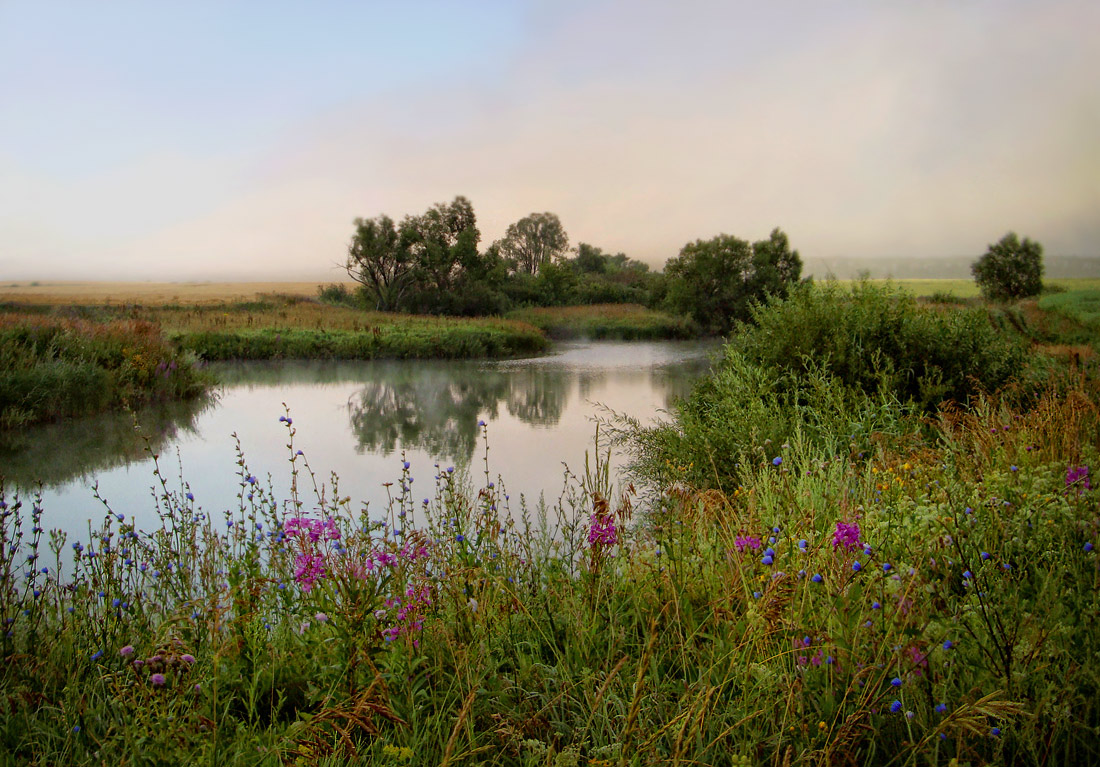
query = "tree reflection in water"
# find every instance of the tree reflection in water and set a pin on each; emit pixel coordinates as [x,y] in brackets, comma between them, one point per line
[436,409]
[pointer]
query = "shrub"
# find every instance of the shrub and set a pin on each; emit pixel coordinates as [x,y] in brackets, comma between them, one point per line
[1010,269]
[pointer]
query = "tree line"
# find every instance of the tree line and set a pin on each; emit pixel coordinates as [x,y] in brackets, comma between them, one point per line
[432,263]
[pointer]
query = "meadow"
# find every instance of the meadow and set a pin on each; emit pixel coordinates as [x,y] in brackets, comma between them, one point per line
[855,574]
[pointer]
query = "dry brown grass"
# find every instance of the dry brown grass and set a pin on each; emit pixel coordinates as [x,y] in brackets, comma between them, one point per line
[148,293]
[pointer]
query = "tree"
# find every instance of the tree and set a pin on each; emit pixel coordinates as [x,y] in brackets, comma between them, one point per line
[379,260]
[1010,269]
[533,241]
[717,280]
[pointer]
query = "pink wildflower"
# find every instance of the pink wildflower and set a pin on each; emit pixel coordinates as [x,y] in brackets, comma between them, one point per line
[743,542]
[308,569]
[846,535]
[602,531]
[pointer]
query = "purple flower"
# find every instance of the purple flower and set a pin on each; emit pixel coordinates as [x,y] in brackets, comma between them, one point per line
[846,535]
[187,658]
[126,651]
[602,531]
[157,680]
[1078,475]
[743,542]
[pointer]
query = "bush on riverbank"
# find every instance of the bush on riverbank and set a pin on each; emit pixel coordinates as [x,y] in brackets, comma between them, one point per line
[841,368]
[921,605]
[54,368]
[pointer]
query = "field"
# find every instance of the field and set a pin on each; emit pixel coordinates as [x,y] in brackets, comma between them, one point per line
[148,293]
[815,562]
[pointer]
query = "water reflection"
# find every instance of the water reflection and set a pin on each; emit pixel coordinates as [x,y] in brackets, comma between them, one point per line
[354,420]
[62,453]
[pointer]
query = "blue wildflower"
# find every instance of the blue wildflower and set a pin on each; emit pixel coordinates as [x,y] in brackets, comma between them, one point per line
[777,461]
[817,578]
[895,706]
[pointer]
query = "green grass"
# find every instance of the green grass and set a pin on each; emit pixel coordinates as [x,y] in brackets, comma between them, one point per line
[625,322]
[1080,305]
[967,289]
[53,368]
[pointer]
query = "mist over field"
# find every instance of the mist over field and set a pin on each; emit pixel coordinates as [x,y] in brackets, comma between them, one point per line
[205,141]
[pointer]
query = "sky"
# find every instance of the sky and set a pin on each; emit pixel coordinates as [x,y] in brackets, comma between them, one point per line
[216,140]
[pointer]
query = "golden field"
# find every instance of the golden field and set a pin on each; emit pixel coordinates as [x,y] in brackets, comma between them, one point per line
[148,293]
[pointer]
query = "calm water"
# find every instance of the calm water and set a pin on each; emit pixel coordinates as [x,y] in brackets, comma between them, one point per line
[355,419]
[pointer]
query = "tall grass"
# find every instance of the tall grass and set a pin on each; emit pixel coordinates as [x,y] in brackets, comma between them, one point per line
[53,367]
[911,608]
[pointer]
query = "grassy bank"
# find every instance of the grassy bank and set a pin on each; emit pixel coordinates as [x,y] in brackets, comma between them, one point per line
[52,367]
[918,606]
[621,322]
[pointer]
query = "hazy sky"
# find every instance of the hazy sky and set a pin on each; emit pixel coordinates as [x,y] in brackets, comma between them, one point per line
[221,140]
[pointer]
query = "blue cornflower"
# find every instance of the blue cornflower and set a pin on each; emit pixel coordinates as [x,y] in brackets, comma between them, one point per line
[876,605]
[767,560]
[817,578]
[948,644]
[887,567]
[941,708]
[777,461]
[895,682]
[756,594]
[995,732]
[967,574]
[802,544]
[985,555]
[895,706]
[1088,547]
[405,464]
[460,537]
[856,566]
[97,655]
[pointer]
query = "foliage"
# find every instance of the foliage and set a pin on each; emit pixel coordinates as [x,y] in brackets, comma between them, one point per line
[431,264]
[55,368]
[716,281]
[833,368]
[533,242]
[922,605]
[1010,269]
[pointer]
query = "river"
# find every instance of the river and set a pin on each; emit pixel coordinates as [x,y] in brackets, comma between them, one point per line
[358,420]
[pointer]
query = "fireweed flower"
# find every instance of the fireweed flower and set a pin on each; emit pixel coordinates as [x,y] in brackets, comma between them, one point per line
[846,535]
[1079,476]
[602,531]
[743,542]
[308,569]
